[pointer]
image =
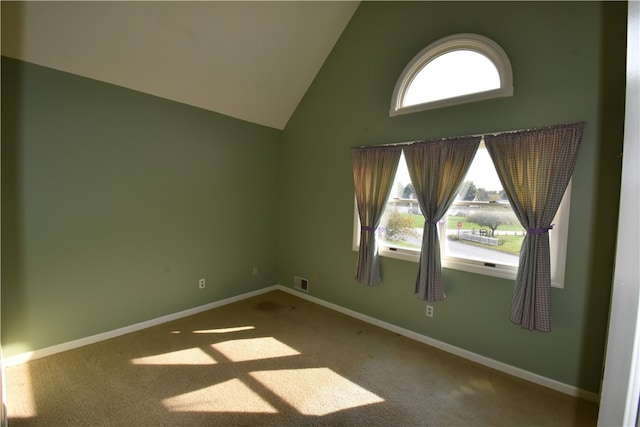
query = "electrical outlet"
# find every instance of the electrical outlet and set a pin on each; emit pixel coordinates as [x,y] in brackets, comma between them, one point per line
[254,271]
[202,283]
[429,311]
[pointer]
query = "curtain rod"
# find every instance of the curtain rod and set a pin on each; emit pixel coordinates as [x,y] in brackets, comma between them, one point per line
[482,135]
[417,141]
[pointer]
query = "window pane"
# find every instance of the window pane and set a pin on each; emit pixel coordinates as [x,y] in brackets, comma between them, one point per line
[402,223]
[481,225]
[456,73]
[485,232]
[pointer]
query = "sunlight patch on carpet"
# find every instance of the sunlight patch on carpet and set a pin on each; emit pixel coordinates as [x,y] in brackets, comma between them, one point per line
[22,403]
[228,396]
[189,356]
[482,384]
[224,330]
[316,391]
[254,349]
[476,386]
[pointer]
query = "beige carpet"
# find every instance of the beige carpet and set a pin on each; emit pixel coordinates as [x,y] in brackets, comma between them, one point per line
[275,359]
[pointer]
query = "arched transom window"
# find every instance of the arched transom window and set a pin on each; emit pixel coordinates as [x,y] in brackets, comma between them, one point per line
[453,70]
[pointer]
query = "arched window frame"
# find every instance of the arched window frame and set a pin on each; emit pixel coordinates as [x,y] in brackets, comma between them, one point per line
[465,41]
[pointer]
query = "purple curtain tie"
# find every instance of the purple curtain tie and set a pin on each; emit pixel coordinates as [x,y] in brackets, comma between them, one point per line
[365,228]
[540,230]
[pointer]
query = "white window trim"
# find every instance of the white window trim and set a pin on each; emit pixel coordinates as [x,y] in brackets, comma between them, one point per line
[463,41]
[557,247]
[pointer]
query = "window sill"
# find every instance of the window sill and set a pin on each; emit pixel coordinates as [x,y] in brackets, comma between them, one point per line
[504,272]
[469,266]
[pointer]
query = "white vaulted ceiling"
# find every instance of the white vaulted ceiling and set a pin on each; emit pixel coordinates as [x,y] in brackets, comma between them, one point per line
[249,60]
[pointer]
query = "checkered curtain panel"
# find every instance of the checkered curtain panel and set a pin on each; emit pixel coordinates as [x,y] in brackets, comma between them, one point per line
[374,169]
[534,167]
[436,168]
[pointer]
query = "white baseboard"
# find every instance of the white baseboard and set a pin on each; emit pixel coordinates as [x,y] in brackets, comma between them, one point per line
[482,360]
[70,345]
[494,364]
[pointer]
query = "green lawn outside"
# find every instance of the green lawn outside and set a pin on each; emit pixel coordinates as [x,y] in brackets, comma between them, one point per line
[452,223]
[508,243]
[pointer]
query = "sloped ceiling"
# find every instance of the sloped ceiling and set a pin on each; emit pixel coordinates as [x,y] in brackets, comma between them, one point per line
[249,60]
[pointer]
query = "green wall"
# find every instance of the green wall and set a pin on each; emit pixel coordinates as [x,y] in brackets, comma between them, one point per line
[568,65]
[115,203]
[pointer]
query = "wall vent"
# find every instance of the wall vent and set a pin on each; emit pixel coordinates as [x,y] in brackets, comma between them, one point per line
[301,284]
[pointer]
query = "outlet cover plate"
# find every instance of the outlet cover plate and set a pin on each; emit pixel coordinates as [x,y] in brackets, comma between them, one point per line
[429,311]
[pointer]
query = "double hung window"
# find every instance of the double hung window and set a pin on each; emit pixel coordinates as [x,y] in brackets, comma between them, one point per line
[480,232]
